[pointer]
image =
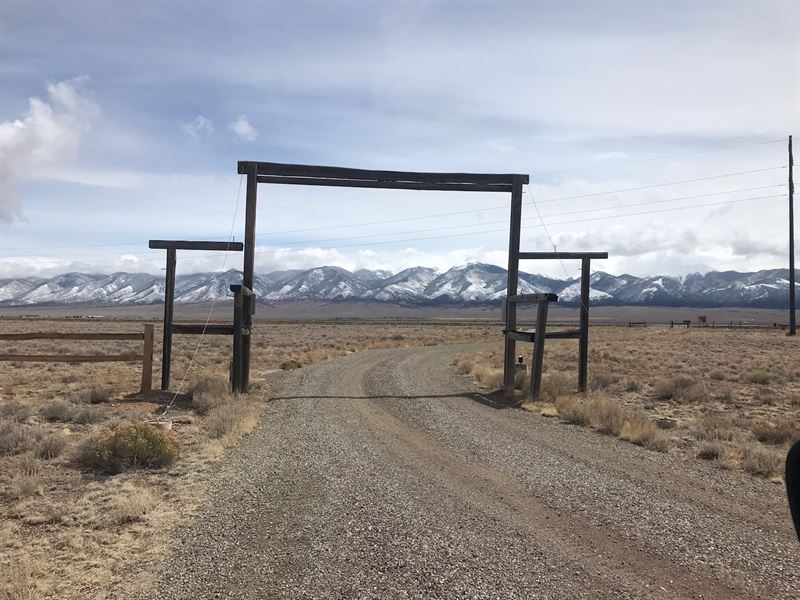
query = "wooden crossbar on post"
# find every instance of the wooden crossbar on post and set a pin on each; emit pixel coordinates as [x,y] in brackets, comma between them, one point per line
[146,357]
[171,246]
[582,333]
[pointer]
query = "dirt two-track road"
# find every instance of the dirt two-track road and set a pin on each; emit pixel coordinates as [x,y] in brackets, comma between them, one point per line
[385,475]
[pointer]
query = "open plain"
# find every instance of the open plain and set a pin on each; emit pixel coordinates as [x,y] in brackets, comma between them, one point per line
[375,459]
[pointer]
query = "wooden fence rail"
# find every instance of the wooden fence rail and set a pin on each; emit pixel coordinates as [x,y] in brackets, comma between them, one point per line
[146,357]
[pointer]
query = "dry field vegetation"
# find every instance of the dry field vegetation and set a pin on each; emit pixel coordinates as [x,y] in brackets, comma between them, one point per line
[727,396]
[89,487]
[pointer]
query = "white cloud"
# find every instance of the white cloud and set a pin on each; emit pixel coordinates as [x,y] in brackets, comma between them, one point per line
[46,137]
[198,128]
[243,130]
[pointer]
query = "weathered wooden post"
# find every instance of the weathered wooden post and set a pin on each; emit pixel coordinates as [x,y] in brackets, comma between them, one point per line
[147,358]
[236,364]
[509,370]
[248,302]
[583,341]
[169,303]
[538,347]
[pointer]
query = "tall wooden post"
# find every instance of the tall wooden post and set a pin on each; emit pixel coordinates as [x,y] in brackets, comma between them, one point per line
[509,357]
[169,300]
[248,302]
[583,342]
[537,362]
[147,358]
[792,297]
[236,364]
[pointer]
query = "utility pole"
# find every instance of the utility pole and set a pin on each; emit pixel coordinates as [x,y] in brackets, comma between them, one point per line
[792,301]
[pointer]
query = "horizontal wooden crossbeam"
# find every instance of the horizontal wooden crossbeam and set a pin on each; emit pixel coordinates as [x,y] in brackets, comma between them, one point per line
[530,336]
[195,245]
[200,329]
[71,358]
[51,335]
[530,298]
[561,255]
[395,185]
[369,175]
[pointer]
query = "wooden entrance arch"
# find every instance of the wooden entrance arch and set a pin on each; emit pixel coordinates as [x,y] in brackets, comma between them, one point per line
[291,174]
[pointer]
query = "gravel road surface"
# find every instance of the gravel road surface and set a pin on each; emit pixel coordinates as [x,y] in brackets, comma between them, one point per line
[385,474]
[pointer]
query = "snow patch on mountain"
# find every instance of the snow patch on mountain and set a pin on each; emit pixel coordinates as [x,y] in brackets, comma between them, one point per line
[471,283]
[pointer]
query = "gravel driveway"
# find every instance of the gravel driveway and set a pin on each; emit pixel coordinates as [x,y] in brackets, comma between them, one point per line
[385,475]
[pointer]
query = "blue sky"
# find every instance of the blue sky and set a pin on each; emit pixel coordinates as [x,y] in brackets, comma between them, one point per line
[144,108]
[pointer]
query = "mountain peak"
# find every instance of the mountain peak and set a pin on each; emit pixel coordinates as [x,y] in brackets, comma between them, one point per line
[474,282]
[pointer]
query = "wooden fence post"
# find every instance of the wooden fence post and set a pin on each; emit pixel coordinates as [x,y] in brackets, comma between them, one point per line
[248,301]
[147,358]
[169,299]
[509,356]
[583,341]
[538,349]
[236,363]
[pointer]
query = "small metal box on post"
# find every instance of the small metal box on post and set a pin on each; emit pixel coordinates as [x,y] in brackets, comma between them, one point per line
[171,246]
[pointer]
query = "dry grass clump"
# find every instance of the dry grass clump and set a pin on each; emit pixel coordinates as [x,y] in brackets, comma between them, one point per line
[482,369]
[202,402]
[487,376]
[710,450]
[717,374]
[235,415]
[22,580]
[765,395]
[288,365]
[777,432]
[97,395]
[555,385]
[212,385]
[59,410]
[603,380]
[25,479]
[713,428]
[667,389]
[680,389]
[606,415]
[51,445]
[640,430]
[127,446]
[15,411]
[758,376]
[631,385]
[208,392]
[573,410]
[15,438]
[132,505]
[761,461]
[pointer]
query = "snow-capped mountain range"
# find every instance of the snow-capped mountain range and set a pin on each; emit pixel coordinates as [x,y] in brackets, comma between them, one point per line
[475,283]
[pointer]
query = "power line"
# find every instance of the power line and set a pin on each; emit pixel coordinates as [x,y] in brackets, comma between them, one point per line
[657,185]
[444,214]
[655,158]
[571,222]
[450,227]
[505,230]
[505,207]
